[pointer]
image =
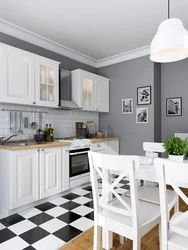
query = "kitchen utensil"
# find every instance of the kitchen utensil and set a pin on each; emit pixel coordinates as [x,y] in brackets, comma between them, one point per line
[107,132]
[20,130]
[10,119]
[33,125]
[39,138]
[82,133]
[26,122]
[90,129]
[78,125]
[99,135]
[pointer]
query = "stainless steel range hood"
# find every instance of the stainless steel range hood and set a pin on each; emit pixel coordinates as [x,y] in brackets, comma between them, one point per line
[65,101]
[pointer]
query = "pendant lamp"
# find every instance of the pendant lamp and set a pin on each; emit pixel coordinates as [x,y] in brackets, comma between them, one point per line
[170,43]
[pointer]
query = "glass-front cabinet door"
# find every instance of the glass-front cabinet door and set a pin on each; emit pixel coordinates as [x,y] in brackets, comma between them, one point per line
[47,79]
[87,90]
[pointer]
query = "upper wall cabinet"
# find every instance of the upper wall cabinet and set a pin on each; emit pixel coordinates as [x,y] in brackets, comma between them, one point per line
[17,76]
[28,78]
[89,91]
[46,79]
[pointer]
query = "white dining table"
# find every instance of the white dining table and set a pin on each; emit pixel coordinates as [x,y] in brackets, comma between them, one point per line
[145,173]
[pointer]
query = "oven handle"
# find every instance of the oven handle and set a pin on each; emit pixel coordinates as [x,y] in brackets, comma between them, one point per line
[79,153]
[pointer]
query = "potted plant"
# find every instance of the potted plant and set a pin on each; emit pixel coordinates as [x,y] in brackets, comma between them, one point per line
[175,148]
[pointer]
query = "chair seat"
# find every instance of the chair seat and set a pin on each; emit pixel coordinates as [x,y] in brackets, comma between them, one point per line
[181,227]
[177,242]
[108,217]
[151,194]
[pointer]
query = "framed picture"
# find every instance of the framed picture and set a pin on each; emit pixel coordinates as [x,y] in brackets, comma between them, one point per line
[144,95]
[142,115]
[127,106]
[174,106]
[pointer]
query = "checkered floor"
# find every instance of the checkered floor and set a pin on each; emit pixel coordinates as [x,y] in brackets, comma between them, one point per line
[51,224]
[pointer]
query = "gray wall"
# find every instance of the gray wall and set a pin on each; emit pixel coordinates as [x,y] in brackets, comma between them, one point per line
[66,63]
[157,102]
[125,77]
[174,83]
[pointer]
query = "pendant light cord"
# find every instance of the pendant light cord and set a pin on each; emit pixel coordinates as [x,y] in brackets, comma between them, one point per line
[168,9]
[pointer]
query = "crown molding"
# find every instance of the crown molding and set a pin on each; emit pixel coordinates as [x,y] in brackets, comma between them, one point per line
[144,51]
[33,38]
[28,36]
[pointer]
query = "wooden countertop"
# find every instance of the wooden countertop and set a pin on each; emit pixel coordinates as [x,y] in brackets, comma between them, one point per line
[104,139]
[44,145]
[51,144]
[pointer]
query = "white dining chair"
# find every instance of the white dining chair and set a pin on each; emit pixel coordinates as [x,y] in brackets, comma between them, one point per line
[125,216]
[150,193]
[175,230]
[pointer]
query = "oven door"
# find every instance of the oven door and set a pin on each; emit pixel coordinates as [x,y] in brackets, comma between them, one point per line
[79,162]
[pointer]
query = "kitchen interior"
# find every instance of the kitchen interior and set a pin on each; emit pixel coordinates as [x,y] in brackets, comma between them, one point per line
[59,100]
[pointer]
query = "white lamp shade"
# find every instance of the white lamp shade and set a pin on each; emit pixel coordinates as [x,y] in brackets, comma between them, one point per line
[170,43]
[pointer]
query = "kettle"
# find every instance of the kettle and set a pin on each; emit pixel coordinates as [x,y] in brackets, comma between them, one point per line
[107,132]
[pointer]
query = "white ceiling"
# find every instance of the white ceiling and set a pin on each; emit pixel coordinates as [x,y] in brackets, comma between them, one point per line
[98,29]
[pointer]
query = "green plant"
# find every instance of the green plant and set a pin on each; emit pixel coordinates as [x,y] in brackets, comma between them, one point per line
[175,146]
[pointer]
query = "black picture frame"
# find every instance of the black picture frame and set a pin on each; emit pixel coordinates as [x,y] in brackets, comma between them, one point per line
[139,102]
[172,108]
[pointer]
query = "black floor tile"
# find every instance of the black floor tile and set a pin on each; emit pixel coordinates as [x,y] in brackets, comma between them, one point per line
[29,248]
[71,196]
[90,195]
[34,235]
[69,217]
[67,233]
[90,216]
[11,220]
[89,204]
[124,181]
[6,234]
[45,206]
[40,218]
[70,205]
[126,187]
[89,188]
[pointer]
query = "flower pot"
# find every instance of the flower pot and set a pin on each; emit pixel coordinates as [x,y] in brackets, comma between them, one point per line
[176,158]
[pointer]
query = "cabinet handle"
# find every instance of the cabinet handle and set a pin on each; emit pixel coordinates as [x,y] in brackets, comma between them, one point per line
[81,108]
[42,150]
[34,102]
[98,145]
[38,150]
[67,150]
[96,109]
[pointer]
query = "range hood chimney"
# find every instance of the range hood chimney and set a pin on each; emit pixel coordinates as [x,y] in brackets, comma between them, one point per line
[65,85]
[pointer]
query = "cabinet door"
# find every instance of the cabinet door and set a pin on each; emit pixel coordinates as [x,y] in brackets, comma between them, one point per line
[113,147]
[17,76]
[50,171]
[101,94]
[65,169]
[87,81]
[47,82]
[24,178]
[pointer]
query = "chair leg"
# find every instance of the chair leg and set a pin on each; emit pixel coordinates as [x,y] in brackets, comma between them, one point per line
[97,237]
[160,237]
[176,206]
[121,239]
[137,244]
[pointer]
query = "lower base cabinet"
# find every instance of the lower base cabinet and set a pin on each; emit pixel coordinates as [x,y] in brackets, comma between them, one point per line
[24,178]
[50,171]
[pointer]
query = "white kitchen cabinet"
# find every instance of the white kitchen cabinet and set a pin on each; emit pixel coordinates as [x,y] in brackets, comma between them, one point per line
[17,84]
[113,147]
[27,78]
[83,89]
[65,169]
[101,94]
[50,171]
[24,177]
[46,82]
[89,91]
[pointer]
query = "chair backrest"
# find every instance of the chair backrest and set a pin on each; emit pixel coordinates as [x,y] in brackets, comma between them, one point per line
[176,175]
[156,147]
[103,164]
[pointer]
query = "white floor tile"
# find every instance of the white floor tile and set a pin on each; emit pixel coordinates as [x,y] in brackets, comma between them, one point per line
[82,224]
[15,243]
[30,212]
[22,227]
[82,210]
[53,225]
[50,242]
[1,226]
[80,192]
[59,201]
[82,200]
[56,211]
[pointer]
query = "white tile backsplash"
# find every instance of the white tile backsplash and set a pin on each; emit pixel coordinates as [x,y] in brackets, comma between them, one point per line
[63,121]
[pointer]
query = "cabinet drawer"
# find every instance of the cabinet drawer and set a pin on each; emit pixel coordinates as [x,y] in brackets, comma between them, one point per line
[97,146]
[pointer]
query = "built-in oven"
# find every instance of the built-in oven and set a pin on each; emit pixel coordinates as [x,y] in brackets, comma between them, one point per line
[78,161]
